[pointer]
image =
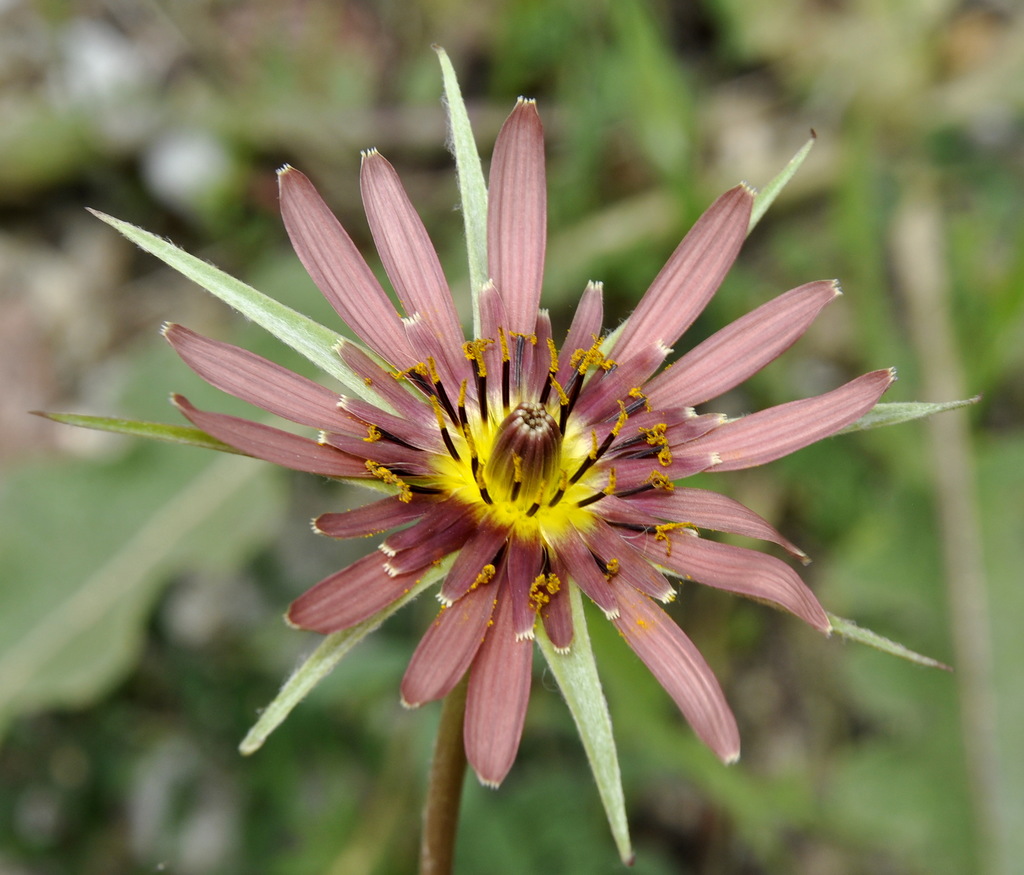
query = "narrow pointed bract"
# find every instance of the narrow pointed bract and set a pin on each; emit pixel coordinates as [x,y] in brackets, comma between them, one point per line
[531,470]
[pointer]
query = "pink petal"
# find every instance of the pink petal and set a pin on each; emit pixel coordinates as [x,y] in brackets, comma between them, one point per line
[517,215]
[420,432]
[573,561]
[349,596]
[445,529]
[484,547]
[681,670]
[742,571]
[634,566]
[557,618]
[405,249]
[373,518]
[778,431]
[691,276]
[522,565]
[448,647]
[332,260]
[733,354]
[585,327]
[259,381]
[704,509]
[272,444]
[600,398]
[390,388]
[409,460]
[499,691]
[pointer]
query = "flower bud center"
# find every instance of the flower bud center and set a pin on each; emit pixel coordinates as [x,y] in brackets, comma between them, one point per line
[524,462]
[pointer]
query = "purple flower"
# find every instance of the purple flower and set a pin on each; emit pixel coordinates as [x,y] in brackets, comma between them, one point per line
[529,466]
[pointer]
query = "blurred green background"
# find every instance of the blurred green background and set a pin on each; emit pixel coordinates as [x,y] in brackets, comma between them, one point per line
[142,585]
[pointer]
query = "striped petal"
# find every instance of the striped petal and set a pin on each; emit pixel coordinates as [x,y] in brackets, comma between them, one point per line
[496,700]
[702,508]
[448,647]
[745,572]
[273,445]
[254,379]
[517,215]
[778,431]
[731,355]
[690,277]
[681,670]
[335,265]
[373,518]
[349,596]
[405,249]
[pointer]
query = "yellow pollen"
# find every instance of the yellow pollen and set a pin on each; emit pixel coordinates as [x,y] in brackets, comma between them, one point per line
[621,421]
[474,351]
[610,488]
[392,479]
[563,398]
[663,533]
[660,481]
[503,340]
[544,586]
[485,576]
[517,468]
[611,568]
[553,353]
[373,434]
[639,395]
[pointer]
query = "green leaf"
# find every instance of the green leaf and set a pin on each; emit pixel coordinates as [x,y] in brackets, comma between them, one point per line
[86,548]
[767,195]
[322,661]
[849,629]
[897,412]
[307,337]
[472,187]
[174,434]
[576,673]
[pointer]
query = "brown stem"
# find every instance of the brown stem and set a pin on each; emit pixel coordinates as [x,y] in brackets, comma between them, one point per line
[444,792]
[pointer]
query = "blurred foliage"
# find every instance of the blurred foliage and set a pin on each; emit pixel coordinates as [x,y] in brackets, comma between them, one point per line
[140,605]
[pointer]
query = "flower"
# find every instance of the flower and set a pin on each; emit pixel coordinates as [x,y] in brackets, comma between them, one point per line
[523,467]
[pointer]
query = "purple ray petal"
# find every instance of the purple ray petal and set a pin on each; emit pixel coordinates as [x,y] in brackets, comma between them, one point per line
[389,388]
[420,432]
[681,670]
[522,565]
[445,529]
[573,561]
[405,249]
[272,444]
[634,567]
[517,215]
[730,356]
[482,548]
[349,596]
[778,431]
[706,510]
[585,327]
[409,460]
[691,276]
[448,647]
[496,700]
[373,518]
[557,618]
[603,391]
[332,260]
[742,571]
[261,382]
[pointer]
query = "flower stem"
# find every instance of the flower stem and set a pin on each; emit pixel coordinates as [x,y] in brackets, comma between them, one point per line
[444,792]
